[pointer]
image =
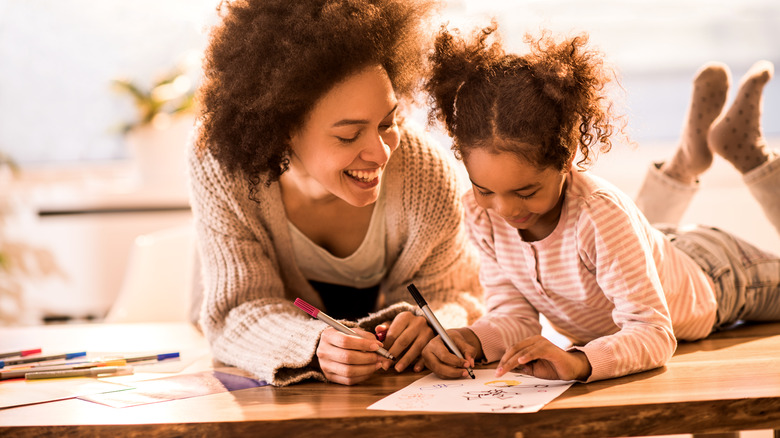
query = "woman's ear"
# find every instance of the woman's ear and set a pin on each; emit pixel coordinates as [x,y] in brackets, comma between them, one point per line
[568,166]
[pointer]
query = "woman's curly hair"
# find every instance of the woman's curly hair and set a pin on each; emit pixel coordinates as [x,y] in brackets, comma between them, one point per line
[269,61]
[545,105]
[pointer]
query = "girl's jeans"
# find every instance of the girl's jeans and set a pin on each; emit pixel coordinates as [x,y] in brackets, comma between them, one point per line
[746,279]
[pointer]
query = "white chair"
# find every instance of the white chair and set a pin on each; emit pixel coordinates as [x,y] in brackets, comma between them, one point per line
[158,281]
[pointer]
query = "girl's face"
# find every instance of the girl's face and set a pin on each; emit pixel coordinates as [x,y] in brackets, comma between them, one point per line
[527,198]
[346,140]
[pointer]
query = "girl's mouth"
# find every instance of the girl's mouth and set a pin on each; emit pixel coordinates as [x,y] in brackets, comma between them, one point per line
[519,220]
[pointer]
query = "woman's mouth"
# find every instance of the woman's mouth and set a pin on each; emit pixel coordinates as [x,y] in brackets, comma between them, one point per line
[365,176]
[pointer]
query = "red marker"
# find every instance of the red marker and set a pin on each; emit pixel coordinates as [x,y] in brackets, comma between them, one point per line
[315,313]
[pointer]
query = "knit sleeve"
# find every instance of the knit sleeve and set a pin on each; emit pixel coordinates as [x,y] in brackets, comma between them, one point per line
[425,215]
[616,243]
[245,316]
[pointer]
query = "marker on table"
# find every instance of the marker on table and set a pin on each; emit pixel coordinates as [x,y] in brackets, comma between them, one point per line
[436,325]
[21,372]
[315,313]
[157,357]
[21,353]
[66,356]
[89,372]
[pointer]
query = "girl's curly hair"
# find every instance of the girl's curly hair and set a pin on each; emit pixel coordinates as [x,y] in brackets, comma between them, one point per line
[545,105]
[269,61]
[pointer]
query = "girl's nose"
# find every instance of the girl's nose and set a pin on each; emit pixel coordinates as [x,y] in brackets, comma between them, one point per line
[507,208]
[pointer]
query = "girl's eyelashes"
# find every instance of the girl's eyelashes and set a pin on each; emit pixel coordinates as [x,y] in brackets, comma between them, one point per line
[482,192]
[486,193]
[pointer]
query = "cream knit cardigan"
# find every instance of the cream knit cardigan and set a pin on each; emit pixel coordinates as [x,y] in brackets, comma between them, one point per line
[250,277]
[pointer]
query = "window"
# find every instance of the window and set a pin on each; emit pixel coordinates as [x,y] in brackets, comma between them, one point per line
[58,59]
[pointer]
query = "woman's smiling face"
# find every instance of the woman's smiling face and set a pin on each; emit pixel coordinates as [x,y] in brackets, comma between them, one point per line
[347,138]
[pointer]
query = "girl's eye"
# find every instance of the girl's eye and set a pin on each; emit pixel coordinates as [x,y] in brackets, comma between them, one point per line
[525,196]
[481,193]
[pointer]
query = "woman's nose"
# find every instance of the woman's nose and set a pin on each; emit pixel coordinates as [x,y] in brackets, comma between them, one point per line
[376,151]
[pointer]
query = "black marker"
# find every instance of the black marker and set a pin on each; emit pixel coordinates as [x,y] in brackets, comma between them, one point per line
[436,325]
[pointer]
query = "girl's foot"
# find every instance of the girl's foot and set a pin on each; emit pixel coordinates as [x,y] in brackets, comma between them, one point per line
[737,135]
[693,155]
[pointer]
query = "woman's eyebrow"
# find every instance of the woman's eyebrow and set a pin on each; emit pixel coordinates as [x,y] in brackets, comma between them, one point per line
[345,122]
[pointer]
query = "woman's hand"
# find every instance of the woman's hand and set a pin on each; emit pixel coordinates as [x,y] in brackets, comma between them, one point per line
[347,359]
[405,337]
[446,365]
[538,357]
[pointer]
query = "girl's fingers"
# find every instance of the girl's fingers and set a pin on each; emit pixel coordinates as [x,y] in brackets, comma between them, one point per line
[523,352]
[438,359]
[507,363]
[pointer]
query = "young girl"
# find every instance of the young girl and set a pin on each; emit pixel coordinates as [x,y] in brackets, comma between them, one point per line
[558,241]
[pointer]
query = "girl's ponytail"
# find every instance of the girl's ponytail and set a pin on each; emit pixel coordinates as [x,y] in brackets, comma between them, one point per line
[575,78]
[546,105]
[453,63]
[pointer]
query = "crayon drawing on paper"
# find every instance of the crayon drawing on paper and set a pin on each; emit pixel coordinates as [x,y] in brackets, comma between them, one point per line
[508,393]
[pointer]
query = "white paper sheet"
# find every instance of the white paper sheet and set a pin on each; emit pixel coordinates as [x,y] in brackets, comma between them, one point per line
[487,393]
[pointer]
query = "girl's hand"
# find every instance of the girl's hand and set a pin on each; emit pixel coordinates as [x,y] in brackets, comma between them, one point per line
[346,359]
[405,337]
[446,365]
[538,357]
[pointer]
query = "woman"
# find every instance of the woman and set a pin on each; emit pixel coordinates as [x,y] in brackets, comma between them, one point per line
[307,184]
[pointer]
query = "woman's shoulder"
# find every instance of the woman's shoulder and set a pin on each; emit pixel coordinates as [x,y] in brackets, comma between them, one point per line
[212,187]
[422,161]
[421,180]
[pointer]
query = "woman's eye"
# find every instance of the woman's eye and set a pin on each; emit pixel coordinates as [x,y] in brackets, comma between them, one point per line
[525,196]
[481,193]
[348,139]
[387,126]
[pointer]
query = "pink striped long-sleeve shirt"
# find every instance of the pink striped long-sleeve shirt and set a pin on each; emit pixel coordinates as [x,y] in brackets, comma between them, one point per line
[605,278]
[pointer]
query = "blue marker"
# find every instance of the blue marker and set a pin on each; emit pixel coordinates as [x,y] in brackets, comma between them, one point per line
[157,357]
[24,360]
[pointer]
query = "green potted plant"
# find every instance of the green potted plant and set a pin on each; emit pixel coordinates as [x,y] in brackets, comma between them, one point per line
[172,95]
[158,136]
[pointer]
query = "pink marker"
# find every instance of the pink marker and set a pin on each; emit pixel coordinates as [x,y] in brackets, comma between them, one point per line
[315,313]
[22,353]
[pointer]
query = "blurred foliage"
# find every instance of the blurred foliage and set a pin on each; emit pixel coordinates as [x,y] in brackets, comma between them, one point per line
[19,260]
[172,95]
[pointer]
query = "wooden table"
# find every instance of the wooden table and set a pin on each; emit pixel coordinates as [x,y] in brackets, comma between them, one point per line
[729,382]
